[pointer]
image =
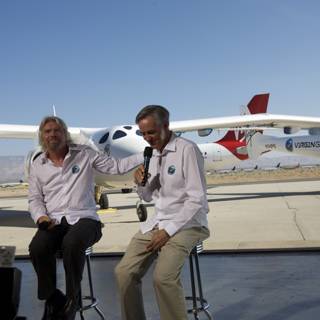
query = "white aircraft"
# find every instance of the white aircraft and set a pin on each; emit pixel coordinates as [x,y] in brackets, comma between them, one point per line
[121,141]
[124,140]
[306,145]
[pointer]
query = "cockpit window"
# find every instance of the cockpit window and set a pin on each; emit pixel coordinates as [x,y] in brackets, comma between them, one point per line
[118,134]
[104,138]
[127,127]
[138,133]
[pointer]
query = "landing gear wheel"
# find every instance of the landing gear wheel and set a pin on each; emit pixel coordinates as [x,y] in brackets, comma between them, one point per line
[141,211]
[104,201]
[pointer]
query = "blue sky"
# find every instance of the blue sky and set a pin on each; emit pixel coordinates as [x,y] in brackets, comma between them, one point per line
[99,62]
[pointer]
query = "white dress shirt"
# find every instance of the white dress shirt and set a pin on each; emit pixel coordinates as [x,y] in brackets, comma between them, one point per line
[177,186]
[69,190]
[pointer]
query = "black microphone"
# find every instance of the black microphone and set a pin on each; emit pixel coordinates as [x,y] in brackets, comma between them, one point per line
[147,156]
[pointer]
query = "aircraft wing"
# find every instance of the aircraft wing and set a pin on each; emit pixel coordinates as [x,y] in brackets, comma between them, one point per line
[14,131]
[247,121]
[255,121]
[11,131]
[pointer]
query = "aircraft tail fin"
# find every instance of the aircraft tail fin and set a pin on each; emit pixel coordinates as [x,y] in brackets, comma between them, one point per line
[258,104]
[235,140]
[254,138]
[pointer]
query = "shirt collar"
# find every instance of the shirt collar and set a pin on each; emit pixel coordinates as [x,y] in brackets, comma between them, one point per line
[75,147]
[170,146]
[72,148]
[43,158]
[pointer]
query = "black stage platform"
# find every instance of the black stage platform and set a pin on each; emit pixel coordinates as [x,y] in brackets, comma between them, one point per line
[238,286]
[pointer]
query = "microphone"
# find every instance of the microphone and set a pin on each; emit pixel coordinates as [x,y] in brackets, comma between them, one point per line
[147,156]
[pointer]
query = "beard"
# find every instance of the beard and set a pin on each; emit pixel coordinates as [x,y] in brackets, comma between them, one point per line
[55,145]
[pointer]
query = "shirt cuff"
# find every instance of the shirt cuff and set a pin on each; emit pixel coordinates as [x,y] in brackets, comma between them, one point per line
[171,229]
[36,216]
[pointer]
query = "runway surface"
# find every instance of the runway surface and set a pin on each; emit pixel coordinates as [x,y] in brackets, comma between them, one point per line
[260,216]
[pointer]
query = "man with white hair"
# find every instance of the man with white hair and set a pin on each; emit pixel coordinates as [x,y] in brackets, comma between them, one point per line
[62,204]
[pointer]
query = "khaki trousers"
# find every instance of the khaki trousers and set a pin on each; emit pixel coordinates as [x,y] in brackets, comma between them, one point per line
[166,276]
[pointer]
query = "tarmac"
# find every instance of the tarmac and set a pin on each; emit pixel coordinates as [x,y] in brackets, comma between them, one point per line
[242,217]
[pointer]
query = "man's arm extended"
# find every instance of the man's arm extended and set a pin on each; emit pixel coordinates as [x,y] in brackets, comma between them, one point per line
[109,165]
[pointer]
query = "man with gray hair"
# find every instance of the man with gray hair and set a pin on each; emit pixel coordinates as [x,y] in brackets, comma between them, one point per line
[62,204]
[176,184]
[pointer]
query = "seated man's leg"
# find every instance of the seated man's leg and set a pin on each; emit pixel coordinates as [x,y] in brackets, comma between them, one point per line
[79,237]
[43,248]
[169,291]
[129,272]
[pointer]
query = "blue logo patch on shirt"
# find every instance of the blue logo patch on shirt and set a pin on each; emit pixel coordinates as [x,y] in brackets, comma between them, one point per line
[171,169]
[75,169]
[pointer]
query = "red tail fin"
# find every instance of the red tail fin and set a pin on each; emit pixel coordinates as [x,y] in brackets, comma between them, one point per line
[234,140]
[232,136]
[258,104]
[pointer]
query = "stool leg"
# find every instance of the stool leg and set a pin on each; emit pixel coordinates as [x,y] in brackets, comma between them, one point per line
[193,288]
[93,299]
[90,278]
[203,302]
[80,304]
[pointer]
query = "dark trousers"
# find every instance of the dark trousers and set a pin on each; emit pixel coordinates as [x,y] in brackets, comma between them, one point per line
[72,240]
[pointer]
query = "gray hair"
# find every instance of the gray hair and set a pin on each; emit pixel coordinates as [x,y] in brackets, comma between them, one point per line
[59,122]
[159,113]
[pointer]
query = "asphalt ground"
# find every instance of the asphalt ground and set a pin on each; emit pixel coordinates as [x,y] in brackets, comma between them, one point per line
[242,217]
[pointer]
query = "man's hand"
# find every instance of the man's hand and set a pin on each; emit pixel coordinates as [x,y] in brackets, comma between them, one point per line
[158,240]
[46,219]
[139,174]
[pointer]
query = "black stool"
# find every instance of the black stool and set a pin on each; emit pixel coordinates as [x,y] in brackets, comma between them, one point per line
[199,303]
[93,300]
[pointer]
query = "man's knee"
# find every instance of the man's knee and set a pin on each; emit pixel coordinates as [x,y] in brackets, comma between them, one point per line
[123,275]
[70,245]
[163,278]
[38,248]
[120,271]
